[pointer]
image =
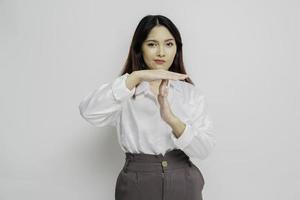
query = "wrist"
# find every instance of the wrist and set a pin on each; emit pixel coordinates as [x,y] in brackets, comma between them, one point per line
[132,80]
[136,76]
[177,126]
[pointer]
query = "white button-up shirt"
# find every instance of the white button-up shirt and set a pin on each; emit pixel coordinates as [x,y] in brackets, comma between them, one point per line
[140,127]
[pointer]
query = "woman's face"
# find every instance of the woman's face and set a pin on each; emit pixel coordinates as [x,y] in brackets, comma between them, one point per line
[159,45]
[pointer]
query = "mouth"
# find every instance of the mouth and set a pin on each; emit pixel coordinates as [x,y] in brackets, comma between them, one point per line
[159,61]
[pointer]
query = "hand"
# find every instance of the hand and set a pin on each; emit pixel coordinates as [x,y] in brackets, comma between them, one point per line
[158,74]
[165,109]
[164,75]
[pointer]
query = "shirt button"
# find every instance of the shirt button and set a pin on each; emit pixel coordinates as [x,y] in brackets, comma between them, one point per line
[164,163]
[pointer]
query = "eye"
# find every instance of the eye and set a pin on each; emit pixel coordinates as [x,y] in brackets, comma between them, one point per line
[170,44]
[150,44]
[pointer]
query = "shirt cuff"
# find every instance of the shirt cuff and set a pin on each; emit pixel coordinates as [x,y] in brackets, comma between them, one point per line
[119,89]
[185,138]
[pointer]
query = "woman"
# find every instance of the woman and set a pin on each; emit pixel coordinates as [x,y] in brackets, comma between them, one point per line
[160,116]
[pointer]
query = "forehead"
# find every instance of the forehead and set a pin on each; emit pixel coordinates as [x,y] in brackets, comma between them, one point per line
[159,32]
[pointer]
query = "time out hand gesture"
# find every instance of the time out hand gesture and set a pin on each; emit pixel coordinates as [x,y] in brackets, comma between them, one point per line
[164,75]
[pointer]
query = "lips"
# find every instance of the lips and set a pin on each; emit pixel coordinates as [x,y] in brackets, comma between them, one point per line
[159,61]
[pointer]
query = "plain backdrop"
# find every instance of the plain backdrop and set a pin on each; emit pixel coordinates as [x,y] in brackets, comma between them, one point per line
[243,54]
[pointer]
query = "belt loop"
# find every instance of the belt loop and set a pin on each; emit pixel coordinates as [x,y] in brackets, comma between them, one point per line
[125,165]
[129,157]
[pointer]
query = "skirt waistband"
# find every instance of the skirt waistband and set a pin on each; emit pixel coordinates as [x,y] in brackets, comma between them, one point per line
[174,159]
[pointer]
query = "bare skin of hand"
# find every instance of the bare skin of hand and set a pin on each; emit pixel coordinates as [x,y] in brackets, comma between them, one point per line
[158,74]
[162,97]
[165,110]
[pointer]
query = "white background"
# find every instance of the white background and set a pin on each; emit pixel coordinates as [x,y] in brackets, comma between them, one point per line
[243,54]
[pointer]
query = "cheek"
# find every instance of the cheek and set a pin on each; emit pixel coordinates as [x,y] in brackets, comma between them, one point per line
[172,53]
[148,59]
[149,55]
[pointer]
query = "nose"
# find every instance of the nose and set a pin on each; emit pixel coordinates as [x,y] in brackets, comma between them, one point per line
[161,51]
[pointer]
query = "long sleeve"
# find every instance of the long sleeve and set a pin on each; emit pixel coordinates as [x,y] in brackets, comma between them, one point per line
[102,106]
[197,139]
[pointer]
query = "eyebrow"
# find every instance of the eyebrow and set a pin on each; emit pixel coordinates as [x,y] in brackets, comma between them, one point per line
[157,41]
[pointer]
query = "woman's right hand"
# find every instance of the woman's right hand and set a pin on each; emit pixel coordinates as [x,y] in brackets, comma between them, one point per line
[158,74]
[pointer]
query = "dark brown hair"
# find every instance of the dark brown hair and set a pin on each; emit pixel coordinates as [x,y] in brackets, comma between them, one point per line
[135,59]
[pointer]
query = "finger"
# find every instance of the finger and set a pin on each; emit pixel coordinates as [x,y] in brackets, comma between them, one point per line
[164,74]
[175,75]
[163,87]
[167,83]
[162,84]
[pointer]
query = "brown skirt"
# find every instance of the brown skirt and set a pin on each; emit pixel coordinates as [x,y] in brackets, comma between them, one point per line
[157,177]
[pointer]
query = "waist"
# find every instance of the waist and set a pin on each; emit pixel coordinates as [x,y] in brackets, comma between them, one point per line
[174,159]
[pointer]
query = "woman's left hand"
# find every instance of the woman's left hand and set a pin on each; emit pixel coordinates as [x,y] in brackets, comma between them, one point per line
[165,109]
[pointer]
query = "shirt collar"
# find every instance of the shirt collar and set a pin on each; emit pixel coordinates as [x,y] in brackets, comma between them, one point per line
[144,86]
